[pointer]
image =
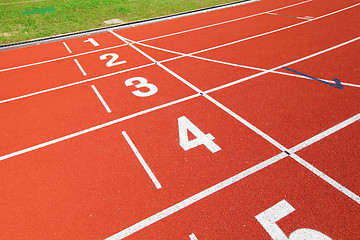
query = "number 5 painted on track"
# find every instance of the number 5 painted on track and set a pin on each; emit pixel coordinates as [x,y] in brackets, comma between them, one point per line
[270,216]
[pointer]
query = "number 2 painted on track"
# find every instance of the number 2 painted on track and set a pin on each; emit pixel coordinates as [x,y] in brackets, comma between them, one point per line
[186,125]
[143,83]
[270,216]
[113,58]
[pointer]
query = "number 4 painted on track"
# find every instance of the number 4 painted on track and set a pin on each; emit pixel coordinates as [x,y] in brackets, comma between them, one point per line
[270,216]
[186,125]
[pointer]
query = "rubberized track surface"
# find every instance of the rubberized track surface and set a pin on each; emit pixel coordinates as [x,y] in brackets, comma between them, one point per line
[241,123]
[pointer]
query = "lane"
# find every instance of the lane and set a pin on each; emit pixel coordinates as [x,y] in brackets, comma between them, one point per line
[98,185]
[231,213]
[293,43]
[38,119]
[198,21]
[57,51]
[338,156]
[211,37]
[290,109]
[315,8]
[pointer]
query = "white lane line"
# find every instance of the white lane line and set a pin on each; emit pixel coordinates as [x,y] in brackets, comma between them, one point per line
[117,46]
[326,178]
[61,58]
[101,99]
[274,31]
[193,237]
[193,199]
[74,84]
[325,133]
[233,64]
[80,67]
[88,130]
[221,23]
[142,161]
[280,15]
[60,87]
[67,47]
[284,65]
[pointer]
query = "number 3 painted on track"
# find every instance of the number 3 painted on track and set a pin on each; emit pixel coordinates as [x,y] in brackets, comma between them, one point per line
[143,83]
[270,216]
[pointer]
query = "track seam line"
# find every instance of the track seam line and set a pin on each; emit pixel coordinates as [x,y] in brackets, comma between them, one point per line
[101,99]
[117,46]
[142,161]
[80,82]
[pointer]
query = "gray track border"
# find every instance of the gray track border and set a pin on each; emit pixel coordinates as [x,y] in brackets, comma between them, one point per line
[121,26]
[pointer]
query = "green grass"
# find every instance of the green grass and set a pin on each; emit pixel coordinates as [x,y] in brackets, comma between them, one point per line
[79,15]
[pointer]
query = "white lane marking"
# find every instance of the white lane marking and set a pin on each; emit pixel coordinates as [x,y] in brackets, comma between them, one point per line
[193,237]
[60,87]
[284,65]
[61,58]
[325,133]
[67,47]
[221,23]
[80,67]
[85,53]
[234,64]
[101,99]
[193,199]
[326,178]
[142,161]
[75,83]
[274,31]
[88,130]
[22,2]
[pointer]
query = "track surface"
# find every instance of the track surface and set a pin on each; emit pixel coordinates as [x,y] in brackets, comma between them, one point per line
[222,125]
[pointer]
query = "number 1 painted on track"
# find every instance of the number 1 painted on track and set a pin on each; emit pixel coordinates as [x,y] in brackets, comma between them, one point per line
[92,41]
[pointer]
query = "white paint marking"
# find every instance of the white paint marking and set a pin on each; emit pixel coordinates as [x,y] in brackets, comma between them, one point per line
[80,67]
[326,133]
[284,65]
[270,216]
[274,31]
[326,178]
[194,29]
[236,65]
[75,83]
[88,130]
[142,161]
[193,199]
[101,99]
[67,47]
[221,23]
[193,237]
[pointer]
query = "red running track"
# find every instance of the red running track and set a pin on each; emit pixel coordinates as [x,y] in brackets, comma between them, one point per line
[189,128]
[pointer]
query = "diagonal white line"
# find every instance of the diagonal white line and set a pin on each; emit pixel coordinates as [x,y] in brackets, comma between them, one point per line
[193,199]
[101,99]
[80,67]
[67,47]
[142,161]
